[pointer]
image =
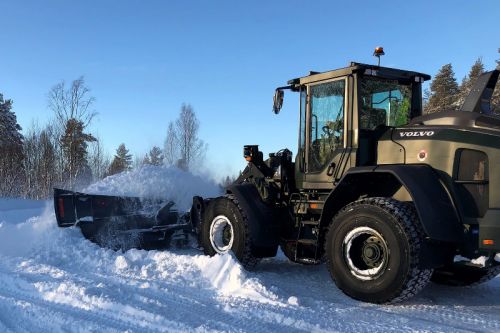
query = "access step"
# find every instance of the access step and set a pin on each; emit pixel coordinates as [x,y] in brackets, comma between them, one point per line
[307,242]
[310,223]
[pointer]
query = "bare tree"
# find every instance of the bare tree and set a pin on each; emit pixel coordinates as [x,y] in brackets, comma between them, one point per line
[39,162]
[183,147]
[45,174]
[99,161]
[191,147]
[72,107]
[72,103]
[30,148]
[171,151]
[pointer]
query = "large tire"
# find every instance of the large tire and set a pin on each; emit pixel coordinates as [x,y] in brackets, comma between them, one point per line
[372,251]
[225,228]
[460,275]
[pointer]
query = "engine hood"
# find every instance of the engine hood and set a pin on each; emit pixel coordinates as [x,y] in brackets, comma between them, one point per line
[461,119]
[476,111]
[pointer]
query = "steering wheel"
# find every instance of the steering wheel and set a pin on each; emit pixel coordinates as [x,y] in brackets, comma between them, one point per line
[328,131]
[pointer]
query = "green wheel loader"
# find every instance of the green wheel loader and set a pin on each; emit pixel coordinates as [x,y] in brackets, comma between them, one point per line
[387,197]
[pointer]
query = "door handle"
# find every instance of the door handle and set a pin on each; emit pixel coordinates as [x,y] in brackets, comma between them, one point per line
[331,169]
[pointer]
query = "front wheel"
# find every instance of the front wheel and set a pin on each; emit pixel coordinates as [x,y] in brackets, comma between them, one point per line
[225,228]
[372,250]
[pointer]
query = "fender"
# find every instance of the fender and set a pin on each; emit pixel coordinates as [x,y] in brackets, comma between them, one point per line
[437,213]
[264,221]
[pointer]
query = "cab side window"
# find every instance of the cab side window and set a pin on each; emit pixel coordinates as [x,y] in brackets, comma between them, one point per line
[326,123]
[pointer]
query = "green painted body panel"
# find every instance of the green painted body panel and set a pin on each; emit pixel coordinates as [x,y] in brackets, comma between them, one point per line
[441,149]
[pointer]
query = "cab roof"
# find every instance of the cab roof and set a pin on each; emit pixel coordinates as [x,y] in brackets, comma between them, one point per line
[354,67]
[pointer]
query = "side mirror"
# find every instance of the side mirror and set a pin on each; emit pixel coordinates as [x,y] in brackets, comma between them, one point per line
[278,100]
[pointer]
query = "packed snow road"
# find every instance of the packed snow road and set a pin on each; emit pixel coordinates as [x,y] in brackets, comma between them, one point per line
[54,280]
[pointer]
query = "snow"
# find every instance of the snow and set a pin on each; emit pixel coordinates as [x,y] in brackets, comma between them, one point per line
[54,280]
[156,182]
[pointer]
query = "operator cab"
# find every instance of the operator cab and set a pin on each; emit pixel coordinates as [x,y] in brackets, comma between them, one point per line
[343,114]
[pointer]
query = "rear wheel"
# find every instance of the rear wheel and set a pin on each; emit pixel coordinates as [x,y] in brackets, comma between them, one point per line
[225,228]
[372,250]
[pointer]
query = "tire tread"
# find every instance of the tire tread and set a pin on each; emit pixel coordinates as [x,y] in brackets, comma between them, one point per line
[407,218]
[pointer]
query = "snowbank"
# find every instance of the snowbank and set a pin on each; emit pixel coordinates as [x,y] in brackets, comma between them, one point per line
[17,239]
[54,280]
[228,277]
[19,210]
[157,182]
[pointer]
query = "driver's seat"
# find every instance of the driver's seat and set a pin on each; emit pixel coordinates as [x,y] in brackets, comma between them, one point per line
[371,118]
[372,124]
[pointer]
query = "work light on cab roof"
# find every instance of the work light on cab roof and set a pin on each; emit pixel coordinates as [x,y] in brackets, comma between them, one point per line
[379,51]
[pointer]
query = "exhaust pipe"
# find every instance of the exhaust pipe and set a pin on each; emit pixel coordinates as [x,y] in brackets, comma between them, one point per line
[479,98]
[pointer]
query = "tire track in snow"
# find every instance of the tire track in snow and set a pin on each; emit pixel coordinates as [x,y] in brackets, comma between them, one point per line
[237,313]
[103,317]
[421,316]
[182,302]
[192,300]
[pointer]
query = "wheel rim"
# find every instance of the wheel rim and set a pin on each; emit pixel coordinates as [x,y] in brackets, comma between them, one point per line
[366,253]
[221,234]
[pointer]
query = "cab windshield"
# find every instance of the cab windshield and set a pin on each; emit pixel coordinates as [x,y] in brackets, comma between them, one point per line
[384,102]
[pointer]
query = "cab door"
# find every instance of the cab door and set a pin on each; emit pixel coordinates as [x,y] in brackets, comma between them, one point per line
[325,154]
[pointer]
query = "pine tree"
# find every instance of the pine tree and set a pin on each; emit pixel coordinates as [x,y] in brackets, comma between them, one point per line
[145,160]
[468,82]
[155,156]
[11,147]
[495,100]
[122,161]
[229,180]
[10,131]
[443,92]
[74,144]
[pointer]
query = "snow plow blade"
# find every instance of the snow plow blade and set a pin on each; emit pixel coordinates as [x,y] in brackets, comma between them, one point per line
[119,221]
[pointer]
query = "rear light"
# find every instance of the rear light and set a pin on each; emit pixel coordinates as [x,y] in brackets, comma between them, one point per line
[61,208]
[488,242]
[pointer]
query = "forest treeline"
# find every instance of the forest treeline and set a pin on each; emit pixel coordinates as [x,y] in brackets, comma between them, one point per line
[64,152]
[445,93]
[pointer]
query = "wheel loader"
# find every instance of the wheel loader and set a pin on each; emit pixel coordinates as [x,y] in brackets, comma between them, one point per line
[387,197]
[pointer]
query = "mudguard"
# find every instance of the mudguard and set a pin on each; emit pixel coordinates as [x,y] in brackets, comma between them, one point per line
[264,220]
[433,203]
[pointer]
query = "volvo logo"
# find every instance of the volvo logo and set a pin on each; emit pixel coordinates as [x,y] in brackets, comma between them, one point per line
[416,134]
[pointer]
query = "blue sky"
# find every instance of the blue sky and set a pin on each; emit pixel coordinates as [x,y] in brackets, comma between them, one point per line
[143,59]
